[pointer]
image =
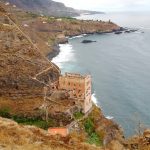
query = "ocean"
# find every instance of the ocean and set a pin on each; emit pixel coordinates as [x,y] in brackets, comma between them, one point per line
[119,66]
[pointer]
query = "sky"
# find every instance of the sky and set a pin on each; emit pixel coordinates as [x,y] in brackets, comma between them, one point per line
[109,5]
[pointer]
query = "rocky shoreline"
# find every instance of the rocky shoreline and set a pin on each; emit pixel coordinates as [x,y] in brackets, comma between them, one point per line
[56,48]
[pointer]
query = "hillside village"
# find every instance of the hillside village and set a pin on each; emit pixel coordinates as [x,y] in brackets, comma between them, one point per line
[37,96]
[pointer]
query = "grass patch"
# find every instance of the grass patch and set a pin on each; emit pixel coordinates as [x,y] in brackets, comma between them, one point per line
[38,122]
[34,121]
[32,15]
[89,126]
[78,115]
[5,112]
[67,18]
[93,137]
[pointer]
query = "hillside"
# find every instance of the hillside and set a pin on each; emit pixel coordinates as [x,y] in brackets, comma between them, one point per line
[31,137]
[26,39]
[24,69]
[19,137]
[47,7]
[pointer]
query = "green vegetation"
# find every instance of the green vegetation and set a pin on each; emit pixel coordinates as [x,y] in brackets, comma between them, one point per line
[5,112]
[52,19]
[67,18]
[93,137]
[32,15]
[38,122]
[78,115]
[89,126]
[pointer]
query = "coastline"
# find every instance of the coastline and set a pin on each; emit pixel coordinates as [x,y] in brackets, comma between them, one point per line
[56,52]
[56,48]
[113,130]
[42,70]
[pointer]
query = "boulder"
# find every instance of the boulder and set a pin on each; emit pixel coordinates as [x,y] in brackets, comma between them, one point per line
[87,41]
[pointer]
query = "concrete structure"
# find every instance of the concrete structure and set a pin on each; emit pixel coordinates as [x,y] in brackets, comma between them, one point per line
[79,87]
[64,131]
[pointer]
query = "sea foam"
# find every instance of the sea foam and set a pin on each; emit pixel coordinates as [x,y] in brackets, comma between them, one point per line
[79,36]
[66,54]
[109,117]
[94,99]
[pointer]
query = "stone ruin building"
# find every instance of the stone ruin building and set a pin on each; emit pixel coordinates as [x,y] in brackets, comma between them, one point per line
[79,88]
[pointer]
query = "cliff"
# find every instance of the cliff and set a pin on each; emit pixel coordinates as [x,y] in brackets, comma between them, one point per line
[24,69]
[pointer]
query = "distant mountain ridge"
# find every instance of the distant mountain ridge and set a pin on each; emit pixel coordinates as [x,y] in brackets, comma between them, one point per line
[48,7]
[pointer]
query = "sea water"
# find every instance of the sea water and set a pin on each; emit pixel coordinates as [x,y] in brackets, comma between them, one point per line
[119,66]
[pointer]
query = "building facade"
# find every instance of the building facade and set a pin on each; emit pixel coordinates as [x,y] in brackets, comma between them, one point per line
[78,87]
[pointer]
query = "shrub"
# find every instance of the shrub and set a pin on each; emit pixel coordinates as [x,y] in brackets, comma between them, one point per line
[93,136]
[89,126]
[5,112]
[94,139]
[78,115]
[38,122]
[33,15]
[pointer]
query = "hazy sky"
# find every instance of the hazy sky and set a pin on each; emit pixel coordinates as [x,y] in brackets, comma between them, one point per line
[109,5]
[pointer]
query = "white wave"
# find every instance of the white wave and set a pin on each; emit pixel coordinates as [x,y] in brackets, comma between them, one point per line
[94,99]
[79,36]
[138,32]
[66,54]
[144,28]
[109,117]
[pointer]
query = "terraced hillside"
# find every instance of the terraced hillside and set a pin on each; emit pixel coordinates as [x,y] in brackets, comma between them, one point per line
[24,71]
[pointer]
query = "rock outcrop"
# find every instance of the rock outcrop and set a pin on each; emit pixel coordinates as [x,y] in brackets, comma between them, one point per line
[139,142]
[87,41]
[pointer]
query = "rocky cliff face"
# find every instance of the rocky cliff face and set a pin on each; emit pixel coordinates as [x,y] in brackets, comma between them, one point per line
[21,62]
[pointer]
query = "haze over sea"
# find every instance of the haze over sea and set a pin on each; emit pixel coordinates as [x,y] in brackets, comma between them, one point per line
[120,68]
